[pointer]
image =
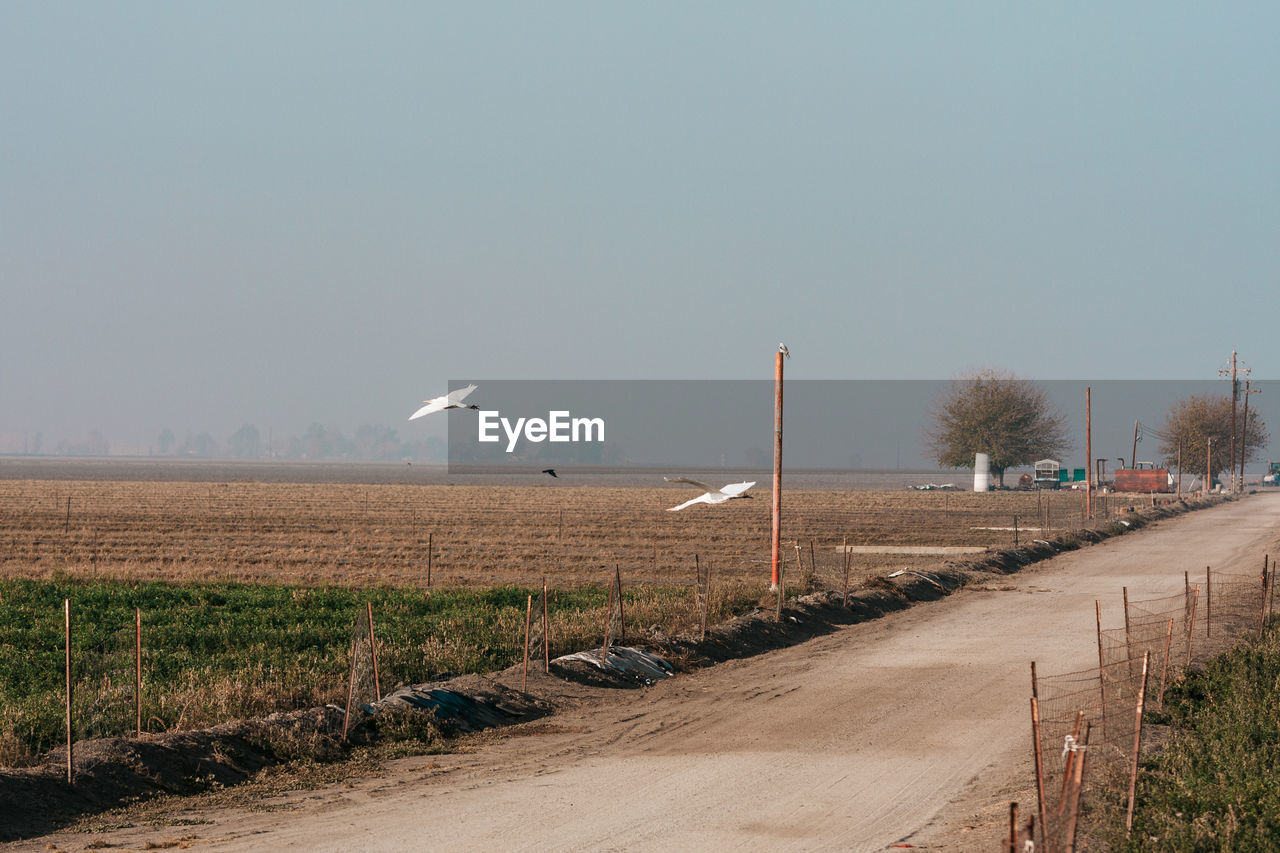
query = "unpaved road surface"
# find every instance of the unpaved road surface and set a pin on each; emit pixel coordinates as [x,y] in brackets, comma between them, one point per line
[907,729]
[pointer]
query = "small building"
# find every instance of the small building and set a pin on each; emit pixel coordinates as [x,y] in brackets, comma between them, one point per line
[1047,474]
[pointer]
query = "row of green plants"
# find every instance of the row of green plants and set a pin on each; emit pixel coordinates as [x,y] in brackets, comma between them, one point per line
[213,652]
[1215,783]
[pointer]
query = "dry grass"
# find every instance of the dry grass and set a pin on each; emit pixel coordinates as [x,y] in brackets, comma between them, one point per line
[374,535]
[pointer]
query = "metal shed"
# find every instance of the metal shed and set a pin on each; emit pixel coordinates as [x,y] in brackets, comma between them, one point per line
[1047,473]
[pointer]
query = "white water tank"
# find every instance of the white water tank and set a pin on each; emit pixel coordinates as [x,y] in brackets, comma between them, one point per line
[981,472]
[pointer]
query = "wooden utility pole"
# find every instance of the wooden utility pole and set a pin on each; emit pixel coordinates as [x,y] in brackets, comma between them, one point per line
[777,460]
[1179,467]
[1088,450]
[1235,393]
[1208,465]
[1244,427]
[1133,460]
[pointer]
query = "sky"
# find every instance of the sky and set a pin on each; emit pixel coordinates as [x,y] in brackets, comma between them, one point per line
[214,214]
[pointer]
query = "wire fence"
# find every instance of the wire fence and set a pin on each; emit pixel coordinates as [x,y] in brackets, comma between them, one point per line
[1087,724]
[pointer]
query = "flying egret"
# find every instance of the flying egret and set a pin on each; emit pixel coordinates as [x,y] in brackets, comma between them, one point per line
[713,496]
[782,348]
[452,400]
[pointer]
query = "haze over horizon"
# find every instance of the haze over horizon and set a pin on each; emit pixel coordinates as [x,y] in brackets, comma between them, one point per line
[299,213]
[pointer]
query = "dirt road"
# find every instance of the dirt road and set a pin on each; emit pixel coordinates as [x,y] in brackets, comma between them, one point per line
[892,731]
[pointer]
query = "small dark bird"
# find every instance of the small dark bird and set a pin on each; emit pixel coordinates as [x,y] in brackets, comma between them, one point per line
[551,471]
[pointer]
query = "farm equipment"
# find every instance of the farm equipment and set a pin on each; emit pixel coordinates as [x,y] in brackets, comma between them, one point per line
[1272,477]
[1143,479]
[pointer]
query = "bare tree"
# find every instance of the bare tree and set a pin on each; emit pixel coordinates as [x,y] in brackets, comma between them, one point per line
[996,413]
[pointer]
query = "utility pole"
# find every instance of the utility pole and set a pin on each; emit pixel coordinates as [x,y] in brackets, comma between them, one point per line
[1088,450]
[1244,426]
[777,458]
[1235,395]
[1133,460]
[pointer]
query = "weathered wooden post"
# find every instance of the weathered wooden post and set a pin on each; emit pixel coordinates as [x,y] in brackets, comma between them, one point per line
[137,668]
[1137,744]
[546,630]
[373,652]
[528,621]
[1102,672]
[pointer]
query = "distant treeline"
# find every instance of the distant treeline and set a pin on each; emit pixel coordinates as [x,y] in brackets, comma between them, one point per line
[370,442]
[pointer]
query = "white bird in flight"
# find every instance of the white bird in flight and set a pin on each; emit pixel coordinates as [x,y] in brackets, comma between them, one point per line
[452,400]
[713,496]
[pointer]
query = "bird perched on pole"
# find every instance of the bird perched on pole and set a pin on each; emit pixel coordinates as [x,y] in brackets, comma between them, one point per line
[452,400]
[782,348]
[713,496]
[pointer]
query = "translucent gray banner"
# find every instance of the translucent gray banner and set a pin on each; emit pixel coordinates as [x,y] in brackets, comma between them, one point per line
[839,425]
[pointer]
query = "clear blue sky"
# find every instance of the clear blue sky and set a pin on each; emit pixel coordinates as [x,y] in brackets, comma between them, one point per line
[280,213]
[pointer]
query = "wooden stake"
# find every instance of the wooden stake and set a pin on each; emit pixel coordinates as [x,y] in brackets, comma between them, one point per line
[1137,743]
[1077,783]
[622,616]
[137,668]
[813,562]
[1195,598]
[608,620]
[1208,601]
[1262,618]
[1035,737]
[429,535]
[373,651]
[546,630]
[66,527]
[1271,595]
[847,560]
[706,601]
[1102,671]
[1013,828]
[1128,643]
[351,687]
[1070,764]
[528,617]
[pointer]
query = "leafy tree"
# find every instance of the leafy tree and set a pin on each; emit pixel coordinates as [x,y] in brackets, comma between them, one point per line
[202,446]
[996,413]
[246,443]
[166,441]
[1193,422]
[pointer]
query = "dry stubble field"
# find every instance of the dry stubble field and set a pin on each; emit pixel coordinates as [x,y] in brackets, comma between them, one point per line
[481,536]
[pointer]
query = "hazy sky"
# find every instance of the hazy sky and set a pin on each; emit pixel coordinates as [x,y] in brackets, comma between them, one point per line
[280,213]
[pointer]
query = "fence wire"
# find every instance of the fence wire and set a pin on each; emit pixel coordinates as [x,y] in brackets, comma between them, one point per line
[364,686]
[1162,637]
[103,681]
